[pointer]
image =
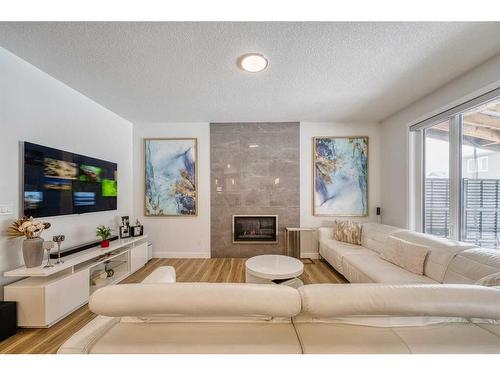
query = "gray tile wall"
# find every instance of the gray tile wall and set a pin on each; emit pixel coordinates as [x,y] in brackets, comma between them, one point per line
[260,180]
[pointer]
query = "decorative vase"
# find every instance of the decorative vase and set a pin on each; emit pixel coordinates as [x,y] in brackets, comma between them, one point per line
[33,252]
[105,243]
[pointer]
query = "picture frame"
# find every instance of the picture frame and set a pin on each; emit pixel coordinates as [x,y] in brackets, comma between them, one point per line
[171,177]
[340,176]
[124,231]
[137,230]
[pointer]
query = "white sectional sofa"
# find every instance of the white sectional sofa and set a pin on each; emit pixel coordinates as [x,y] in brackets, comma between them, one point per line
[276,319]
[447,261]
[191,318]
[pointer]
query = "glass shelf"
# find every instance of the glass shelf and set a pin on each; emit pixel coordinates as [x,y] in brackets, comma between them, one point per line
[109,272]
[108,266]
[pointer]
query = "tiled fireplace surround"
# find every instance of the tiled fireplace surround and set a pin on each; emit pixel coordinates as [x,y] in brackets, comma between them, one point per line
[254,171]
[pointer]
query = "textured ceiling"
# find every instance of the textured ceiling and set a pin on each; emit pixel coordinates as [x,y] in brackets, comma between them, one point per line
[178,71]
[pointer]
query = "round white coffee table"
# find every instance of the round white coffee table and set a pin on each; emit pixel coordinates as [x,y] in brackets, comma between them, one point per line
[277,269]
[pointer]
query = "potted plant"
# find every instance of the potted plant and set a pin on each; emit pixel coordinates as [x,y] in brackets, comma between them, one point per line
[104,232]
[33,244]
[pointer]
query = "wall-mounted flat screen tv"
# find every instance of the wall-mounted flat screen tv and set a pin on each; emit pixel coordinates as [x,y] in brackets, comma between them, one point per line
[63,183]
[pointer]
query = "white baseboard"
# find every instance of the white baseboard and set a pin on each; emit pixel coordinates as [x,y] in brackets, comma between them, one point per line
[312,255]
[180,254]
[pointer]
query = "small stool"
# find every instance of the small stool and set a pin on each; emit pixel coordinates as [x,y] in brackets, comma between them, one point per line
[161,275]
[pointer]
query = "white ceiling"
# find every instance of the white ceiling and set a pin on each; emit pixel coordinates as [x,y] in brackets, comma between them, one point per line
[181,71]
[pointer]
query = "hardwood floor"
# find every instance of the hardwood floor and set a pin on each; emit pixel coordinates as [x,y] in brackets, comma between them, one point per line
[48,340]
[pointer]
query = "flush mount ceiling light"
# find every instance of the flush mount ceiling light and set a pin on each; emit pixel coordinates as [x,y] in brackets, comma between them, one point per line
[252,62]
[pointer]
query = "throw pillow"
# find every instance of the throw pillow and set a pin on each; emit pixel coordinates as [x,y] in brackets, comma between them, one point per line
[407,255]
[490,280]
[348,231]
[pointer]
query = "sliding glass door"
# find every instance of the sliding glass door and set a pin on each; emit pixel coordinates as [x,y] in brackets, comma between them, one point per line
[480,149]
[461,176]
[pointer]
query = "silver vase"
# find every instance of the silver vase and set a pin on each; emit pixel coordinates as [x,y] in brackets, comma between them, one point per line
[33,252]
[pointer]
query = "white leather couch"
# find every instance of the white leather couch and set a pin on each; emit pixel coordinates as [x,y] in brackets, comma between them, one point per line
[190,318]
[274,319]
[447,262]
[381,318]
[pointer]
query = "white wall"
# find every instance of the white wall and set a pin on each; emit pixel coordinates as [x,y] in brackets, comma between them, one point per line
[37,108]
[175,237]
[396,164]
[190,237]
[308,130]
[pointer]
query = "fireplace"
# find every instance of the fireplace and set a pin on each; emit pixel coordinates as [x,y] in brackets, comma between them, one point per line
[255,228]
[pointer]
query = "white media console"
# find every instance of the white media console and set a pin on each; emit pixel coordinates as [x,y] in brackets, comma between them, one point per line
[49,294]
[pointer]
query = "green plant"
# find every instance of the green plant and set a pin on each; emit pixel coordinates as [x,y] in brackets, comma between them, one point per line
[103,231]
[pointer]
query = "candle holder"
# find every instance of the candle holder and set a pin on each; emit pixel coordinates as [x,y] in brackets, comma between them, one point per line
[48,245]
[58,240]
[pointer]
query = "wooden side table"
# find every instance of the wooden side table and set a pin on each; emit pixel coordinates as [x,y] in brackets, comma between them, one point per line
[292,240]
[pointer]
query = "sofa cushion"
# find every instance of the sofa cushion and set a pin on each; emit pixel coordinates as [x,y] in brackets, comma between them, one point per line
[199,338]
[453,338]
[334,251]
[470,265]
[348,231]
[374,235]
[379,270]
[405,254]
[332,338]
[441,251]
[326,338]
[354,274]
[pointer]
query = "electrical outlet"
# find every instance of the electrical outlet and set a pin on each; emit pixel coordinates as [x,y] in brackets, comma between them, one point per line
[6,209]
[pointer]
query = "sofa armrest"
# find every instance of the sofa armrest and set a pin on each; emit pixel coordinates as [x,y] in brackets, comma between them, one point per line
[325,233]
[83,340]
[161,275]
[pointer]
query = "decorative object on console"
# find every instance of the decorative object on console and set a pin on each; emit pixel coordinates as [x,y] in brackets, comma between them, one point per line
[348,231]
[59,240]
[340,181]
[48,245]
[137,230]
[171,177]
[124,232]
[125,227]
[32,245]
[104,232]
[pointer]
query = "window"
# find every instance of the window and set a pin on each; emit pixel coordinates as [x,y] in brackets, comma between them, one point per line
[480,143]
[461,175]
[436,175]
[478,164]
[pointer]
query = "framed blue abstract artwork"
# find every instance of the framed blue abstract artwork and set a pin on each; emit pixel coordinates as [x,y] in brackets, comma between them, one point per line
[340,180]
[171,177]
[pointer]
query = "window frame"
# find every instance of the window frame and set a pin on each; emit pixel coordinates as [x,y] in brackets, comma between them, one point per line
[456,183]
